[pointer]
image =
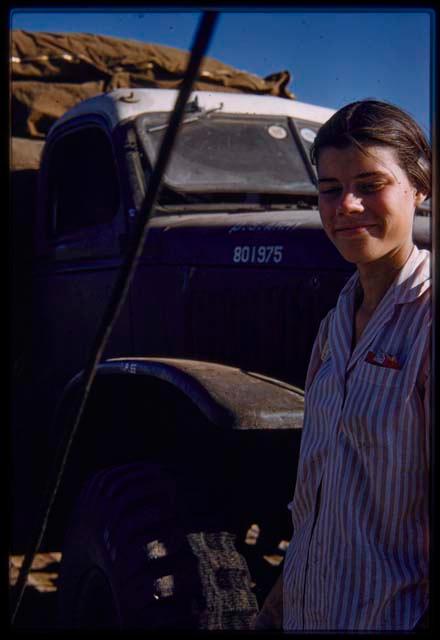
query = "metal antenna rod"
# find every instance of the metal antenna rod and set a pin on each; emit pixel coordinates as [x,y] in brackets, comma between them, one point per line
[120,291]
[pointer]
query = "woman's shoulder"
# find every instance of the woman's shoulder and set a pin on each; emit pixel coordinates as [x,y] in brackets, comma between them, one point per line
[324,330]
[414,282]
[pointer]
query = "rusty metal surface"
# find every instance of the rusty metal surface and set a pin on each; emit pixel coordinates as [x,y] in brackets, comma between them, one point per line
[228,396]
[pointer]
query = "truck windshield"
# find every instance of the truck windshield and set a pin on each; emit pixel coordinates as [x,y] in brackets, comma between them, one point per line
[230,154]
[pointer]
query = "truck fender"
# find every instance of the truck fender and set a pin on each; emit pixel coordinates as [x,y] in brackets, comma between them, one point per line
[229,397]
[169,410]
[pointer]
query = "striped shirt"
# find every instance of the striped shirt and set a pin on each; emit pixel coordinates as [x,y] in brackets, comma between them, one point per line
[359,554]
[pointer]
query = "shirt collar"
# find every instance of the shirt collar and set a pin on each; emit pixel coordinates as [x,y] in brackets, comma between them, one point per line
[351,284]
[413,279]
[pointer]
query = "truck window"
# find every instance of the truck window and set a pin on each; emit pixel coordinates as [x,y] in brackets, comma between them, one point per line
[227,153]
[307,132]
[84,190]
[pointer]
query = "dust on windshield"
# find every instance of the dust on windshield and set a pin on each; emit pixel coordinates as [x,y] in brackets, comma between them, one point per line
[229,154]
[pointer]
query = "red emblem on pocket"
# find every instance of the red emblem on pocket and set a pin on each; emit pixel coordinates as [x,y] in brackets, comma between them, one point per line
[382,359]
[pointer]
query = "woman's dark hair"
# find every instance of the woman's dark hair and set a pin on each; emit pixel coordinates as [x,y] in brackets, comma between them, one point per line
[373,123]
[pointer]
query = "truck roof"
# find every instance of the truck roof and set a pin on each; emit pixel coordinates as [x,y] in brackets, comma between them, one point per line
[122,104]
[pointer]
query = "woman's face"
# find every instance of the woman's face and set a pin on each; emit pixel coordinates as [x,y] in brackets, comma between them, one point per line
[366,202]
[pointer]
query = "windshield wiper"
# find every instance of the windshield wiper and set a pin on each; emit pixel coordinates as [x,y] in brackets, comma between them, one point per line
[196,118]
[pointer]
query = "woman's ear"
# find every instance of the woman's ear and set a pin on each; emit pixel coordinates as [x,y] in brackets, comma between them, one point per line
[419,198]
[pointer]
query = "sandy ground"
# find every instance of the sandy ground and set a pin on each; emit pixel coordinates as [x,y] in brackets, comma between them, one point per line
[38,607]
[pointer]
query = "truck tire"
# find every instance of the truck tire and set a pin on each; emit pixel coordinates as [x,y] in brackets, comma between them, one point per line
[134,559]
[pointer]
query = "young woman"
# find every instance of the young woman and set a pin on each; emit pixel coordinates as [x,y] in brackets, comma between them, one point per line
[358,558]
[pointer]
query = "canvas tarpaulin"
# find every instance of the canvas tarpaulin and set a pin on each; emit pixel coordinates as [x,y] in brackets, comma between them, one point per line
[51,72]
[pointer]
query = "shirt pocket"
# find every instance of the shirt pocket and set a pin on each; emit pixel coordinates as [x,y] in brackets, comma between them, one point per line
[379,376]
[376,411]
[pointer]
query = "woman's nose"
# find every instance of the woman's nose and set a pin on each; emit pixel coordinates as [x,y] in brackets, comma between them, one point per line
[349,203]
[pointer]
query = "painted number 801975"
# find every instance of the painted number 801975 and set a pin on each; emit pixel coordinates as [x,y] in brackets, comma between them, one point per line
[262,254]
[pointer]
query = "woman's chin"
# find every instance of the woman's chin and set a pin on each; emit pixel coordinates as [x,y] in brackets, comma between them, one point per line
[356,256]
[359,249]
[352,251]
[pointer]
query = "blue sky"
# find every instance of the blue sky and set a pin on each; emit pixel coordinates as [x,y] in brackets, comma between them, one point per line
[333,57]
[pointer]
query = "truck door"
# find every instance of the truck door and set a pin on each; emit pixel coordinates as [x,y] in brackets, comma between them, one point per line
[79,224]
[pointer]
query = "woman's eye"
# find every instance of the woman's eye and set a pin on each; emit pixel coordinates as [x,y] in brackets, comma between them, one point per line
[331,190]
[365,187]
[368,187]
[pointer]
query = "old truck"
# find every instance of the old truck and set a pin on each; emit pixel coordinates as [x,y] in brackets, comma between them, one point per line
[172,512]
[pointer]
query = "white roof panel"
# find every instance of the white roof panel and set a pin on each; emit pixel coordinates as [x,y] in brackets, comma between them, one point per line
[122,104]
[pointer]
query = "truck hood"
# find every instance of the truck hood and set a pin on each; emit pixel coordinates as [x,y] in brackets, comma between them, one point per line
[213,238]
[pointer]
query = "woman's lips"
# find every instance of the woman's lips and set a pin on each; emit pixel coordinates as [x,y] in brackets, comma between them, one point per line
[353,231]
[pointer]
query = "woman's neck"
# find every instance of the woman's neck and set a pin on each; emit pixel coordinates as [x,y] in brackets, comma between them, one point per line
[377,277]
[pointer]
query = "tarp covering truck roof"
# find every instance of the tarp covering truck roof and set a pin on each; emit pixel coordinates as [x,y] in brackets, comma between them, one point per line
[51,72]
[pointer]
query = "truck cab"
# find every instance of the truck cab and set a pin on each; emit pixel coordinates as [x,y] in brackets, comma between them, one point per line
[234,220]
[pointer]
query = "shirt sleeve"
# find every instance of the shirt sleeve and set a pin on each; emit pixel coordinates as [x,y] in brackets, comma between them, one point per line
[427,409]
[424,386]
[318,351]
